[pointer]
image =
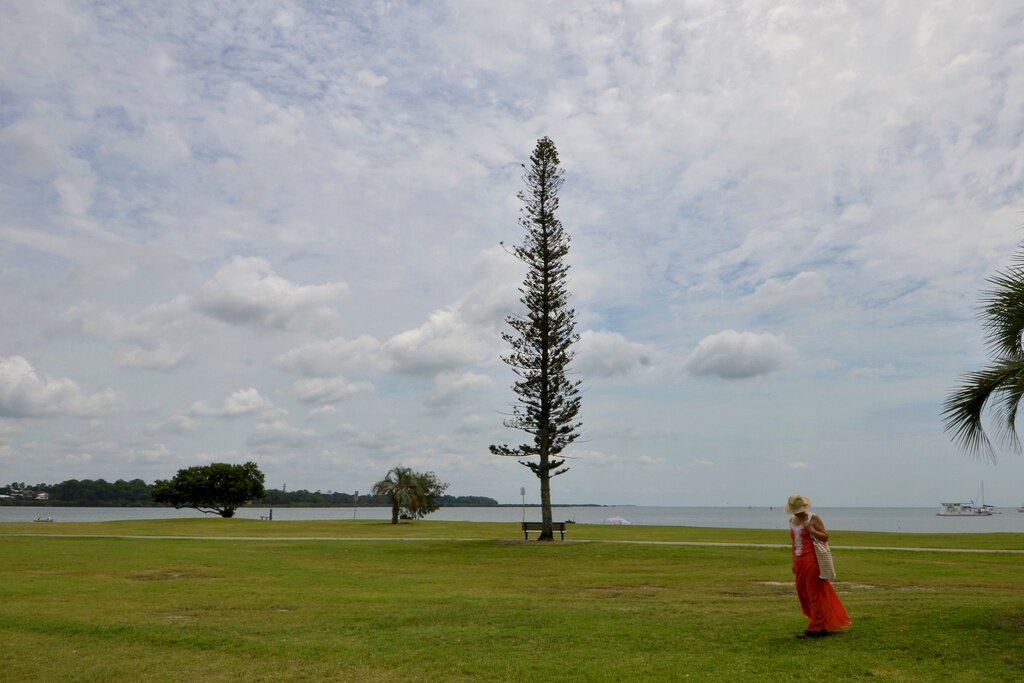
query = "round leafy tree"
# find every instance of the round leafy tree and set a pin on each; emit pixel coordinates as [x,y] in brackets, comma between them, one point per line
[218,488]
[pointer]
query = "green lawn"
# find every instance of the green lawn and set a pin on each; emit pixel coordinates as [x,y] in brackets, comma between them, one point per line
[465,602]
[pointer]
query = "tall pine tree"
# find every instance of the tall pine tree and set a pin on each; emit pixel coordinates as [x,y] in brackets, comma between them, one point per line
[548,401]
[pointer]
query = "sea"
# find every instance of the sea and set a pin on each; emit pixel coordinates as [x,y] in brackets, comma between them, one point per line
[906,520]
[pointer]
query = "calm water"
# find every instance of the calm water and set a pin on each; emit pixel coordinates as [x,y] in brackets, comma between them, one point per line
[910,520]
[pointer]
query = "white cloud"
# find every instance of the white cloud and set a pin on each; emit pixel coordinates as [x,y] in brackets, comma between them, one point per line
[609,354]
[178,424]
[322,390]
[284,19]
[801,290]
[332,356]
[242,402]
[739,355]
[444,343]
[247,291]
[75,186]
[371,79]
[32,147]
[321,412]
[496,277]
[163,358]
[143,334]
[720,166]
[873,373]
[23,393]
[466,332]
[278,436]
[450,388]
[156,452]
[121,263]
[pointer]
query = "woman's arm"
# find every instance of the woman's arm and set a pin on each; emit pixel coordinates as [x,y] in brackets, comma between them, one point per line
[817,529]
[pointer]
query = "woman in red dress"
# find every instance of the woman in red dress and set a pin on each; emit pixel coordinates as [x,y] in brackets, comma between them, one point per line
[818,600]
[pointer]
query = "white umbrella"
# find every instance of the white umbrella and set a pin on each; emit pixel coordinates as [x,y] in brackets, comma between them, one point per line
[616,520]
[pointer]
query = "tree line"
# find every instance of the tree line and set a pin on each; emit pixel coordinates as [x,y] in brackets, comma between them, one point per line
[137,493]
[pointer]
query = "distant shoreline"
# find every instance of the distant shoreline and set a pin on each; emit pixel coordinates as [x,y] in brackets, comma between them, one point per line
[50,503]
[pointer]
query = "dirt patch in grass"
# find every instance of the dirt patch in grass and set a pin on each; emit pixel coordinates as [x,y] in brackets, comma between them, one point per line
[169,575]
[1012,622]
[633,592]
[541,543]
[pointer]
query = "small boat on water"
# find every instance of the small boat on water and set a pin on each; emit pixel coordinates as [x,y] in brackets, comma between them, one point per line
[967,509]
[1021,508]
[963,510]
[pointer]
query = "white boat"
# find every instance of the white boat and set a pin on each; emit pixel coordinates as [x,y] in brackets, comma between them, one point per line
[963,510]
[967,509]
[1021,508]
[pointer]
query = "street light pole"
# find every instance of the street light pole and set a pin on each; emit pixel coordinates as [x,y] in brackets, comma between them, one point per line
[522,492]
[355,505]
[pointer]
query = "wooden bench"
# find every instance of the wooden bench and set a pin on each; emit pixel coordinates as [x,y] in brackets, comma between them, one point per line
[539,526]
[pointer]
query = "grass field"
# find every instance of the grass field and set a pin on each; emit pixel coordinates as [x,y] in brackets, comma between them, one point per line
[226,600]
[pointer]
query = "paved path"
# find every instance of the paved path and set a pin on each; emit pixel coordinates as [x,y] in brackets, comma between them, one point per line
[980,551]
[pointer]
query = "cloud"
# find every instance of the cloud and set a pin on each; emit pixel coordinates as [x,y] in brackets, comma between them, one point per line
[450,388]
[247,291]
[873,373]
[739,355]
[123,262]
[609,354]
[321,412]
[494,294]
[801,290]
[178,424]
[24,394]
[723,169]
[465,332]
[444,343]
[163,358]
[332,356]
[104,323]
[241,402]
[371,79]
[321,390]
[277,436]
[32,148]
[143,333]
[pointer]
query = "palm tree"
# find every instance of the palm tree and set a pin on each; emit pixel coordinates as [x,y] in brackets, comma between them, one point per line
[1002,381]
[413,494]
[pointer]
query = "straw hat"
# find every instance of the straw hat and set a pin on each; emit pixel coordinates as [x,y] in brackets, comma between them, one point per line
[797,504]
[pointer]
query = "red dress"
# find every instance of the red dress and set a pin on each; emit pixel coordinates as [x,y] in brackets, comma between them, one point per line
[818,600]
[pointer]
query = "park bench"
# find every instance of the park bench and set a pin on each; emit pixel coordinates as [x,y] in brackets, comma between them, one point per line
[538,526]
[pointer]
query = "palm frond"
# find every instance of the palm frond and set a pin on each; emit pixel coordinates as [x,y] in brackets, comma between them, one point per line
[1002,312]
[962,412]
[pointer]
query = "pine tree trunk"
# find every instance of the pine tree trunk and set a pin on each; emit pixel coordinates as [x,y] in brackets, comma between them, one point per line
[546,532]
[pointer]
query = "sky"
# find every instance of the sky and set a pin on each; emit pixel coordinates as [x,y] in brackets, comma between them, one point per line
[272,231]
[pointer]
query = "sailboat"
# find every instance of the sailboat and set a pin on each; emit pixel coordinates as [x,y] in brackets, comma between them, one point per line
[967,509]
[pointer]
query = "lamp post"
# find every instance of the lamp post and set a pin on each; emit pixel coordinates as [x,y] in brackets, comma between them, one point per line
[522,492]
[355,505]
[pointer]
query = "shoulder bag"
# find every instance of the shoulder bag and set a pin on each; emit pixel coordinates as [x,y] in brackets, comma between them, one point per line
[826,567]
